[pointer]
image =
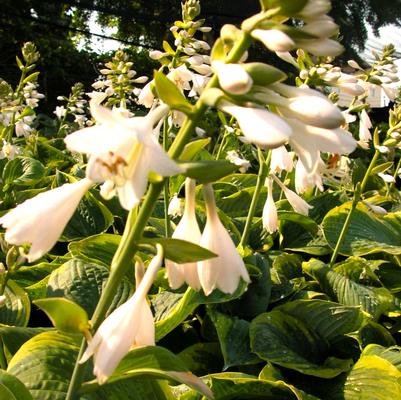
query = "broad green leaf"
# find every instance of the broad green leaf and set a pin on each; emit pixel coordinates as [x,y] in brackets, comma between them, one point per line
[373,300]
[29,275]
[192,148]
[391,354]
[239,386]
[298,335]
[12,389]
[44,364]
[371,378]
[91,217]
[373,332]
[204,171]
[13,337]
[170,94]
[367,233]
[171,309]
[97,248]
[152,361]
[233,335]
[180,251]
[83,282]
[202,358]
[17,308]
[23,171]
[66,316]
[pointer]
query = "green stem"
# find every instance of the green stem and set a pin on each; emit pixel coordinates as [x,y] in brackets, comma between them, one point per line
[166,189]
[262,174]
[359,189]
[125,253]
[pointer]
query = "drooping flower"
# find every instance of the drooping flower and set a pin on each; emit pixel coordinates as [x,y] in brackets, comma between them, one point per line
[234,158]
[269,215]
[224,271]
[122,152]
[364,134]
[297,203]
[259,126]
[175,208]
[40,221]
[281,160]
[187,229]
[274,39]
[129,325]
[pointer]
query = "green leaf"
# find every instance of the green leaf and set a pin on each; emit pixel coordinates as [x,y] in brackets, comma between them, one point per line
[12,389]
[152,361]
[90,217]
[13,337]
[381,168]
[180,251]
[205,171]
[239,386]
[44,364]
[367,233]
[170,94]
[263,74]
[82,282]
[233,335]
[171,308]
[374,301]
[66,316]
[371,378]
[391,354]
[299,334]
[192,148]
[17,307]
[97,248]
[23,171]
[29,275]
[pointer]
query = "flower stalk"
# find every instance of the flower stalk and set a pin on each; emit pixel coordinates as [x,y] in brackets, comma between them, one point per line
[125,253]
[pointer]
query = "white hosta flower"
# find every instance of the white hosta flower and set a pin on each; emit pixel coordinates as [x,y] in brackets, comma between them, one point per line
[224,271]
[146,96]
[175,208]
[233,78]
[269,215]
[40,221]
[22,127]
[376,209]
[321,47]
[386,177]
[129,325]
[234,158]
[123,151]
[281,160]
[60,112]
[8,151]
[364,133]
[308,141]
[297,203]
[259,126]
[315,9]
[323,26]
[187,229]
[305,180]
[274,39]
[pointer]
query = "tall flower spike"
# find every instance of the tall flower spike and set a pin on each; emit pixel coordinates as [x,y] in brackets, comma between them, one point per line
[224,271]
[259,126]
[187,229]
[131,324]
[122,152]
[269,216]
[40,221]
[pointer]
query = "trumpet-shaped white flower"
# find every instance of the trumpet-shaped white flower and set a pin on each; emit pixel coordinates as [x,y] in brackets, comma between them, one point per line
[297,203]
[274,39]
[308,141]
[305,180]
[40,221]
[187,229]
[364,134]
[269,215]
[224,271]
[131,324]
[233,78]
[122,152]
[234,158]
[175,208]
[259,126]
[281,160]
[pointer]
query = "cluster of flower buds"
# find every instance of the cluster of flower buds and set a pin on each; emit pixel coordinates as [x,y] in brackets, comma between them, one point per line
[76,106]
[188,65]
[118,80]
[313,35]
